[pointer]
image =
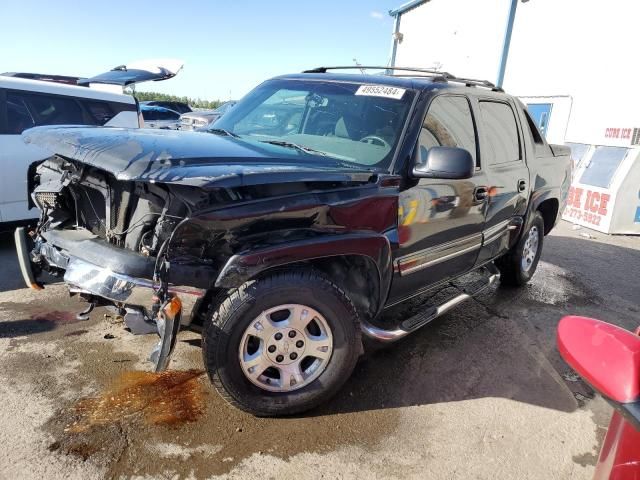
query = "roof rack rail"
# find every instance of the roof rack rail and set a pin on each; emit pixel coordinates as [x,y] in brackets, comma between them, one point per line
[439,75]
[472,82]
[377,67]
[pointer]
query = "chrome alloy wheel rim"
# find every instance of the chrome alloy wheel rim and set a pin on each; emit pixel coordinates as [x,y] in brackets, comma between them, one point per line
[530,249]
[286,348]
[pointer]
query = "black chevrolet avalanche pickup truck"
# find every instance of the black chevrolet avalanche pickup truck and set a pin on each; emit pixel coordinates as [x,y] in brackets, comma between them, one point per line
[285,232]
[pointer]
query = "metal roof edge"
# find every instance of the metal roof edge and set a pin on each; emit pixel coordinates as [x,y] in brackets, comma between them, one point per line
[406,7]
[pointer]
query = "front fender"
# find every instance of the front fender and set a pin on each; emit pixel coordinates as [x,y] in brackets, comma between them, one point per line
[246,265]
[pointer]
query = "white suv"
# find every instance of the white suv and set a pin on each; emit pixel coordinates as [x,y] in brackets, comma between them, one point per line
[26,103]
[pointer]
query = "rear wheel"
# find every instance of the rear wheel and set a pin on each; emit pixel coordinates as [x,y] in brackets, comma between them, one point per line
[282,344]
[519,264]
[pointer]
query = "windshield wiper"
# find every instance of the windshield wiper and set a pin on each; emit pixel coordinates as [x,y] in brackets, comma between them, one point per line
[222,131]
[302,148]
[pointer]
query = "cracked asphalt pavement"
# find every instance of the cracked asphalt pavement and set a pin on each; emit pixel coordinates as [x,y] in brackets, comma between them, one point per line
[480,393]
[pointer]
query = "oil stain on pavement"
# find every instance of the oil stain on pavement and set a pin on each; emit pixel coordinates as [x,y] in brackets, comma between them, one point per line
[142,422]
[33,319]
[167,398]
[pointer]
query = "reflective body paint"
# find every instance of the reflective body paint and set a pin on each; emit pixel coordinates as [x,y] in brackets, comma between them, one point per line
[328,207]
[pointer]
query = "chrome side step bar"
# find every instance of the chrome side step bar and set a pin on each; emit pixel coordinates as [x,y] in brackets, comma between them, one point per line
[423,318]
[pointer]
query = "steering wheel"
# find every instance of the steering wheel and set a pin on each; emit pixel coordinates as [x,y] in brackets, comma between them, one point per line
[375,140]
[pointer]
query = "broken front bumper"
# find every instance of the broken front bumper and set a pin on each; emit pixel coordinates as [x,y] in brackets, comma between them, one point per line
[76,254]
[123,289]
[84,277]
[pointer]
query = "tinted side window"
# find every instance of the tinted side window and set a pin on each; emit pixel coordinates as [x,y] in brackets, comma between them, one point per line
[501,132]
[150,114]
[27,110]
[18,116]
[535,133]
[448,123]
[100,112]
[169,115]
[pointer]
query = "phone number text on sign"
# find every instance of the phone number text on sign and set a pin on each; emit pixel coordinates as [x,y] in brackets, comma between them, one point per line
[586,217]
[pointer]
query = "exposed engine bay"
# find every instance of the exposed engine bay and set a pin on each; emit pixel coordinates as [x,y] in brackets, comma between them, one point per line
[137,216]
[137,246]
[92,206]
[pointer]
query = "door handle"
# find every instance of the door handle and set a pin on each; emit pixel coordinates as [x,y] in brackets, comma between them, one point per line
[522,185]
[480,194]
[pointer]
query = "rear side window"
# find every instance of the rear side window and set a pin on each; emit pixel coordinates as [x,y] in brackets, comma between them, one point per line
[100,112]
[535,133]
[501,132]
[26,110]
[448,123]
[602,166]
[18,116]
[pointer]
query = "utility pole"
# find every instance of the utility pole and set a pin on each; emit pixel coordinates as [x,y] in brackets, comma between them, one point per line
[507,41]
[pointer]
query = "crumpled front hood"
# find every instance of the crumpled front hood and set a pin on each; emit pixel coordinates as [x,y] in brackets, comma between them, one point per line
[188,158]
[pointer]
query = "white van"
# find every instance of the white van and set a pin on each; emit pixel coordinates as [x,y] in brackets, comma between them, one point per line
[26,103]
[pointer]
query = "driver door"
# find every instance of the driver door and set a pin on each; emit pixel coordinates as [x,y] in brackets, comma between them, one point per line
[440,220]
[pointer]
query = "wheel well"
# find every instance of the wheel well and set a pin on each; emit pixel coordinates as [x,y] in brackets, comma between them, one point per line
[549,211]
[358,276]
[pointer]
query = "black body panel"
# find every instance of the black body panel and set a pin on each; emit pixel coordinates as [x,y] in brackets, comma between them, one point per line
[246,208]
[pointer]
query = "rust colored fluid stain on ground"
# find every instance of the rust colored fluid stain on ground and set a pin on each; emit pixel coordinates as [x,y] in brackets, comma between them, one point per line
[55,316]
[167,398]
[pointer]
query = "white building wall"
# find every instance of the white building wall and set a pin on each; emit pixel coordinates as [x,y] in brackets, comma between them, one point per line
[447,34]
[584,48]
[583,51]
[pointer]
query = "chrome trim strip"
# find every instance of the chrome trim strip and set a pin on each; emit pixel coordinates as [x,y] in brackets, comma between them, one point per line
[423,258]
[496,232]
[437,254]
[491,231]
[492,239]
[120,288]
[438,260]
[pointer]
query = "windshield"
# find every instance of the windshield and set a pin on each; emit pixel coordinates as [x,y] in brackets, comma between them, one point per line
[349,121]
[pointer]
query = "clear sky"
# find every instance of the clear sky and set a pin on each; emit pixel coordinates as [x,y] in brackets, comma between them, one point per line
[228,47]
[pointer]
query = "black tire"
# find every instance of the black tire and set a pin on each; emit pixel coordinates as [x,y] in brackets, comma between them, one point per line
[223,334]
[512,272]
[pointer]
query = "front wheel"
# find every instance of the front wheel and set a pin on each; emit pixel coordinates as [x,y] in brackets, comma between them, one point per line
[282,344]
[519,264]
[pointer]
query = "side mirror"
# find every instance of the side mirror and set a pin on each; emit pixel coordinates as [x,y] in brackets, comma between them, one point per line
[607,357]
[444,162]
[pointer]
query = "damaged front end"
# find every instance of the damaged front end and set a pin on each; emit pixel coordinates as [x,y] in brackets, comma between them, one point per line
[111,242]
[138,219]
